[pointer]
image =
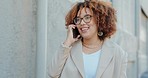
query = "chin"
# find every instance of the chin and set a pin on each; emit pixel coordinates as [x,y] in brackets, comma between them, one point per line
[85,37]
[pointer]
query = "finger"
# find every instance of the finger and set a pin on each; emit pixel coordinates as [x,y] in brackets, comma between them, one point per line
[72,26]
[68,28]
[76,39]
[78,36]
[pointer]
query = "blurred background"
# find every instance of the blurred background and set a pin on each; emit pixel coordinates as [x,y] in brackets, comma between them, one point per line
[32,30]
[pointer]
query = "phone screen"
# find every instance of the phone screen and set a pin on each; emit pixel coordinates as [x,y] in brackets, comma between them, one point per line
[75,33]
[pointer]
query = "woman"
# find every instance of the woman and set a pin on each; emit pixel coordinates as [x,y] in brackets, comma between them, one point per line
[87,51]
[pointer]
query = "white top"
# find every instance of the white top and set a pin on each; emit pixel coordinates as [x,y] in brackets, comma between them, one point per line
[91,63]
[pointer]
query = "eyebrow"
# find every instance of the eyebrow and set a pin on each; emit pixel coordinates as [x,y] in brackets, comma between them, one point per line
[83,16]
[86,11]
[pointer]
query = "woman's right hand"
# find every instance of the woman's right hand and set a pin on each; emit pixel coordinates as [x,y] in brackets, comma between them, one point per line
[70,40]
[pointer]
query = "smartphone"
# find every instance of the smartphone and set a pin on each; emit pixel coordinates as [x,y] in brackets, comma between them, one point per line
[75,32]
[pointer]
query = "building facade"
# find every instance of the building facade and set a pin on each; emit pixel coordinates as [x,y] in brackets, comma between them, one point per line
[32,30]
[132,33]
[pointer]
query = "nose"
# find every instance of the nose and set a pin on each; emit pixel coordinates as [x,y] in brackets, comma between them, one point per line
[82,22]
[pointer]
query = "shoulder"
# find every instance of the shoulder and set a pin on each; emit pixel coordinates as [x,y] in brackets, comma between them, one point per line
[77,44]
[118,51]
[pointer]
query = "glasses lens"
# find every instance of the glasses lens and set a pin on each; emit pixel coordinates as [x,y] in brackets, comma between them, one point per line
[87,18]
[77,20]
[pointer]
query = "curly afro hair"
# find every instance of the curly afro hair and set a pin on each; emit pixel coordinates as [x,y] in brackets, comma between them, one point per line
[103,12]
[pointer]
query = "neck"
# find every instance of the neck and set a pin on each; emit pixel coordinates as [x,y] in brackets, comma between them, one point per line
[92,41]
[91,45]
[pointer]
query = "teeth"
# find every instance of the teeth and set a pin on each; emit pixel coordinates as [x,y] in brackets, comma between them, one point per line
[84,29]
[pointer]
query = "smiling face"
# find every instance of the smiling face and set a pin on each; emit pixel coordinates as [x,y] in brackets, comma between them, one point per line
[87,29]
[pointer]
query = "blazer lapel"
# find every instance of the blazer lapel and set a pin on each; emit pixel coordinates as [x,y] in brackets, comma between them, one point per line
[105,58]
[77,57]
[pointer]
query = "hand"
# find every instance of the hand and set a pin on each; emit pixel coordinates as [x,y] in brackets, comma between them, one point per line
[70,40]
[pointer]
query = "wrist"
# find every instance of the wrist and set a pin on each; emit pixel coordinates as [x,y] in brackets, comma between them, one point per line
[67,43]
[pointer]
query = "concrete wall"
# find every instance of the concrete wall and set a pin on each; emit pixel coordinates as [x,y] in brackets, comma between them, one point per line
[56,24]
[17,38]
[132,35]
[144,6]
[125,35]
[18,34]
[143,38]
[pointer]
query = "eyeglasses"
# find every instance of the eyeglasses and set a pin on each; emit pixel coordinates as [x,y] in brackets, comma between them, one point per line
[86,19]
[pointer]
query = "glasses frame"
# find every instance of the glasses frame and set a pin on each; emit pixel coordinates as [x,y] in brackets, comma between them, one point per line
[82,19]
